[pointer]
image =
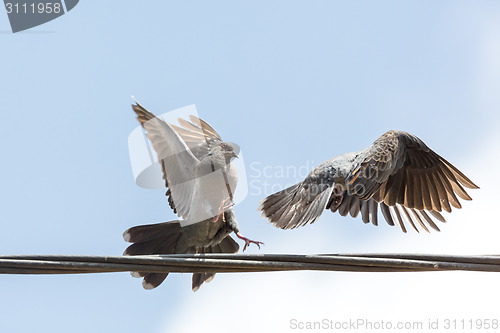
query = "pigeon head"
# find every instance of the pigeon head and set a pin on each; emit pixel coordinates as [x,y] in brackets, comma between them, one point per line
[229,150]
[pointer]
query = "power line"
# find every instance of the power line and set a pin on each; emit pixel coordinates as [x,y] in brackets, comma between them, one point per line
[225,263]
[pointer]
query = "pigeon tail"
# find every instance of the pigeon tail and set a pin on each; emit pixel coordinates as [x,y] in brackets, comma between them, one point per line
[163,238]
[227,245]
[272,207]
[159,238]
[296,205]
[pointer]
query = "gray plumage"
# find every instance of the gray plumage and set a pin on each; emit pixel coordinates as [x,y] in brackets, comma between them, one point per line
[199,176]
[195,163]
[170,238]
[398,172]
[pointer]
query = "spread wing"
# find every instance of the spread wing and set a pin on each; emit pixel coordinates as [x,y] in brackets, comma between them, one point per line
[300,204]
[399,173]
[352,205]
[177,160]
[407,179]
[198,135]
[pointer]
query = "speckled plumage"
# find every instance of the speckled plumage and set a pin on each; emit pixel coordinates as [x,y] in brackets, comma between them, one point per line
[398,172]
[199,176]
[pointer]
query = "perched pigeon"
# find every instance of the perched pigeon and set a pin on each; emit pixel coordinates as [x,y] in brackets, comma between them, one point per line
[398,172]
[171,237]
[201,180]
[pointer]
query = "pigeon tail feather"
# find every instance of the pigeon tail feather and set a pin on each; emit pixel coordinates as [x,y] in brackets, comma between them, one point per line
[163,238]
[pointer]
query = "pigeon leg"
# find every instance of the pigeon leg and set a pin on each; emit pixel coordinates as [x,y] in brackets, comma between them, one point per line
[248,241]
[223,207]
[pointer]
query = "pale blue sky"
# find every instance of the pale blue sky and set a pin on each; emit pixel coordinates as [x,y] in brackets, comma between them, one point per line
[292,82]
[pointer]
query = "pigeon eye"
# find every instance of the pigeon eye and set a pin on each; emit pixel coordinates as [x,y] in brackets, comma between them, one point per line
[223,145]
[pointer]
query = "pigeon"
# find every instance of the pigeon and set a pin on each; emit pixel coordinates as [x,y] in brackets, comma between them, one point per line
[197,169]
[172,238]
[398,172]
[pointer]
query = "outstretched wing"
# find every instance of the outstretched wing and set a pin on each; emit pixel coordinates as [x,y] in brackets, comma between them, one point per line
[198,135]
[352,205]
[301,203]
[398,173]
[407,178]
[177,161]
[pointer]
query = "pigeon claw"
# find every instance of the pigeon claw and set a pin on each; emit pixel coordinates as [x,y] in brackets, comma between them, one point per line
[248,241]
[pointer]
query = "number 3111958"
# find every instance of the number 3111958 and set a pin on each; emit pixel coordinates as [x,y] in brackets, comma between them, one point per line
[40,8]
[471,324]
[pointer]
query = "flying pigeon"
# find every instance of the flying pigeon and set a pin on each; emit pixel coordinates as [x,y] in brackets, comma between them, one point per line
[201,180]
[398,172]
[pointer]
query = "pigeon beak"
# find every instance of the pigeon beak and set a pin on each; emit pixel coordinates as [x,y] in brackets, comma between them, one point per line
[233,154]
